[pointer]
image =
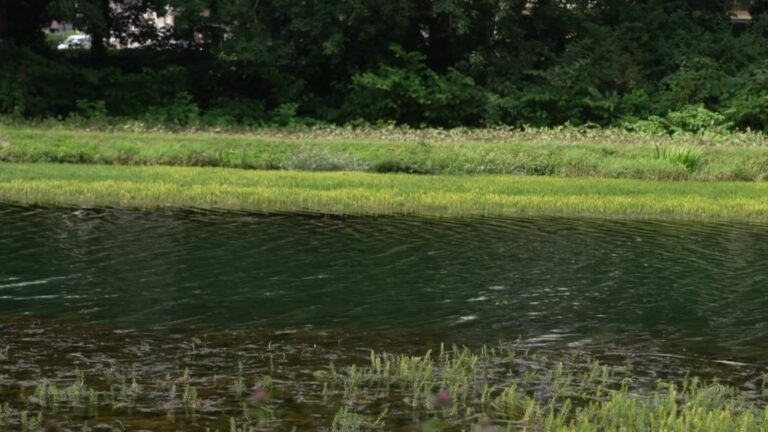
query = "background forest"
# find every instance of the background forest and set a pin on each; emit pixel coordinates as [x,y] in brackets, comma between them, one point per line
[648,65]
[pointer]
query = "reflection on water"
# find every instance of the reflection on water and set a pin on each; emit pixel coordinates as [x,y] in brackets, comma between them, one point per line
[672,287]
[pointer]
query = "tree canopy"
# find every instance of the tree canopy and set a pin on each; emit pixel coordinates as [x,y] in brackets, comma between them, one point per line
[417,62]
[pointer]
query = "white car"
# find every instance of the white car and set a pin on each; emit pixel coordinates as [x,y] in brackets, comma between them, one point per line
[80,41]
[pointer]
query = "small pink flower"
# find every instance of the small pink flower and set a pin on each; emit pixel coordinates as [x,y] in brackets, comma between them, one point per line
[444,398]
[258,395]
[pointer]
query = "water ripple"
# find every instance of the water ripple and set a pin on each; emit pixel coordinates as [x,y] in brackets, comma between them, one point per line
[678,285]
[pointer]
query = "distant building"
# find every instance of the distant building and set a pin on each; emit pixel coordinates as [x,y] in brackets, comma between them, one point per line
[741,16]
[59,26]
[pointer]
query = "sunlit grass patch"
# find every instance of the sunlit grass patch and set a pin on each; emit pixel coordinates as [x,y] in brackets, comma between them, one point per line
[376,194]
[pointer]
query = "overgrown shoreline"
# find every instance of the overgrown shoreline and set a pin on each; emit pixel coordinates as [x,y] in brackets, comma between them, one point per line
[343,171]
[565,152]
[346,193]
[494,389]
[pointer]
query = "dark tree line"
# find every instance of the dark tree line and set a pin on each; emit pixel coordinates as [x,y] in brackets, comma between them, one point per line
[418,62]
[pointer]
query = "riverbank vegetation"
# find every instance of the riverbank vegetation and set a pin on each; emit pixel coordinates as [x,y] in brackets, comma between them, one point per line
[439,63]
[562,152]
[498,388]
[376,194]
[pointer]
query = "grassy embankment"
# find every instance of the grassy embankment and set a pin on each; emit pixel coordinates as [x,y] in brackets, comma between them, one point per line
[376,194]
[567,152]
[597,155]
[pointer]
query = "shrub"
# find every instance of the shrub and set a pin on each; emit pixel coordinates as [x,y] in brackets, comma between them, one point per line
[695,119]
[748,103]
[653,125]
[698,80]
[92,110]
[35,86]
[690,119]
[409,92]
[181,112]
[235,111]
[285,114]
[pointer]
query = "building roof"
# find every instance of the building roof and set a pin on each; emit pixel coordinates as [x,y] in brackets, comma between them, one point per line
[741,15]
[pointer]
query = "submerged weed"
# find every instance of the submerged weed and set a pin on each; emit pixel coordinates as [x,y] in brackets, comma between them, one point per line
[459,386]
[453,388]
[347,420]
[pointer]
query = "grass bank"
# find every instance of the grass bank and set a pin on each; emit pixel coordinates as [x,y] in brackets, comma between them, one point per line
[376,194]
[565,152]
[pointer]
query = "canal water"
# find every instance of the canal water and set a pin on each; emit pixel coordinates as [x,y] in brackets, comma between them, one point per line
[86,287]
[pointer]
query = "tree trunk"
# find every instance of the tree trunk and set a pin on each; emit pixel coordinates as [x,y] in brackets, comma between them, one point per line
[100,32]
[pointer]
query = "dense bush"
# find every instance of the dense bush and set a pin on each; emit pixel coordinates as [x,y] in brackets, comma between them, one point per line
[410,92]
[655,66]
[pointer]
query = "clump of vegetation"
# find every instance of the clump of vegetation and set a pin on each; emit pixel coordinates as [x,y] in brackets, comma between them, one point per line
[687,157]
[347,420]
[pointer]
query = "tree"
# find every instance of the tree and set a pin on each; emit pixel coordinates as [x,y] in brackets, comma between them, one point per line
[21,21]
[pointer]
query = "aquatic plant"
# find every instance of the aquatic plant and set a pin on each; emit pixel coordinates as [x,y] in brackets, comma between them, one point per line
[30,423]
[300,382]
[347,420]
[460,386]
[234,427]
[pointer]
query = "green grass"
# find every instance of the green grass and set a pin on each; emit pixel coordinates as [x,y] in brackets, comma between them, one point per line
[376,194]
[566,152]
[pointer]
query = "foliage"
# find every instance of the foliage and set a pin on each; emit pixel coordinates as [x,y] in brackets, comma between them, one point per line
[695,119]
[439,63]
[182,111]
[691,119]
[748,104]
[92,110]
[413,93]
[234,111]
